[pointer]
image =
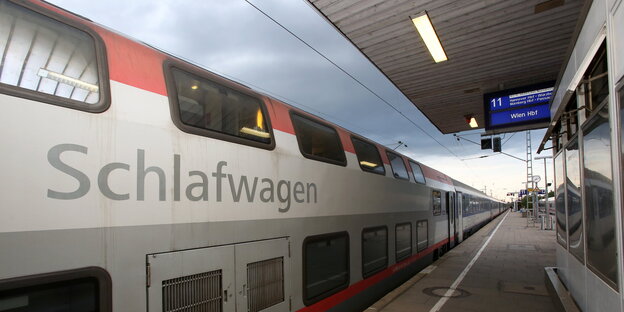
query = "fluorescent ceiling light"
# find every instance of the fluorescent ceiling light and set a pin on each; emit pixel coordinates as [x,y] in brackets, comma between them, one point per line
[256,133]
[368,164]
[429,36]
[67,80]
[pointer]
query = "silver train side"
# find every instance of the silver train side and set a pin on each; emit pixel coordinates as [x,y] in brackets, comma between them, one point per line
[118,220]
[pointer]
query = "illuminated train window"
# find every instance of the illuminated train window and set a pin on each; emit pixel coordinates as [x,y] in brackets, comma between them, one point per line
[368,156]
[374,250]
[318,141]
[325,266]
[217,109]
[418,174]
[50,61]
[398,166]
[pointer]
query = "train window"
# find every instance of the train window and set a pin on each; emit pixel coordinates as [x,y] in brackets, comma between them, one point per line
[422,235]
[318,141]
[398,166]
[368,156]
[574,208]
[465,205]
[76,290]
[325,266]
[374,250]
[560,209]
[417,172]
[403,241]
[600,210]
[206,107]
[50,61]
[437,202]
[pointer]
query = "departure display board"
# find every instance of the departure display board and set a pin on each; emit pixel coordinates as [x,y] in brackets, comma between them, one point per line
[517,107]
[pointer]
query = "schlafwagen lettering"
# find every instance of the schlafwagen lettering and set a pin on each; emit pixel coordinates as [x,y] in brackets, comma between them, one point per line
[263,188]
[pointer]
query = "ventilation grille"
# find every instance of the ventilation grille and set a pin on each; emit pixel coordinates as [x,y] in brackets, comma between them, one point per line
[199,292]
[265,282]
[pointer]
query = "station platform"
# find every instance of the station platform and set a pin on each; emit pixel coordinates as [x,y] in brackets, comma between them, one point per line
[505,275]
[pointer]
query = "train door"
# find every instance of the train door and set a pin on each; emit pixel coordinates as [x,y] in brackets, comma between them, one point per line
[450,205]
[456,218]
[241,277]
[459,225]
[449,218]
[261,283]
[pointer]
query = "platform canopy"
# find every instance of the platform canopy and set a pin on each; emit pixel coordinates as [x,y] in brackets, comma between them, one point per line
[491,45]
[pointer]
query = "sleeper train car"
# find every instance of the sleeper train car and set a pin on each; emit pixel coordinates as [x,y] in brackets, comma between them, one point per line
[134,181]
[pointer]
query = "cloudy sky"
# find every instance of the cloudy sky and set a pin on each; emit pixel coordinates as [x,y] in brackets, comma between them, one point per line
[236,40]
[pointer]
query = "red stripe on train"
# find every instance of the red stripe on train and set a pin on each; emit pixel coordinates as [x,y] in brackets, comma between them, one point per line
[362,285]
[134,64]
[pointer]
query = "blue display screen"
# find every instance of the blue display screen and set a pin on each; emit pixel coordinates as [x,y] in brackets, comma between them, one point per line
[521,99]
[516,107]
[520,115]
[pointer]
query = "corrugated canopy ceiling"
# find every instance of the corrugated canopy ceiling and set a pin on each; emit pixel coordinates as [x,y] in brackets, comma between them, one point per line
[491,45]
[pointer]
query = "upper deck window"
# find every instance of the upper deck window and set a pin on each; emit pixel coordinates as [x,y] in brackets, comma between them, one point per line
[318,141]
[368,156]
[417,171]
[398,166]
[49,61]
[206,107]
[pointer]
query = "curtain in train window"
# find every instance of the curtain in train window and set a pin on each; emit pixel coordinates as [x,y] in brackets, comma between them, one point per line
[398,166]
[374,250]
[600,210]
[368,156]
[437,202]
[403,241]
[42,55]
[417,171]
[562,228]
[318,141]
[573,196]
[326,265]
[208,105]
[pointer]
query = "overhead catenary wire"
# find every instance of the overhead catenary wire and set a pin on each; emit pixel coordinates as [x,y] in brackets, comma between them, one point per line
[509,138]
[352,77]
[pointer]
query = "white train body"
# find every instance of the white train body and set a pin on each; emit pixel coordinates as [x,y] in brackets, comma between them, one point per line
[116,199]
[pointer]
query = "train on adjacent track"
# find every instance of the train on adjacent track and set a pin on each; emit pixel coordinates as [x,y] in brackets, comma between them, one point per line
[135,181]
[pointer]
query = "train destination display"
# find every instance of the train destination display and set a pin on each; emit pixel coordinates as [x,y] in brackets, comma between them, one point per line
[516,107]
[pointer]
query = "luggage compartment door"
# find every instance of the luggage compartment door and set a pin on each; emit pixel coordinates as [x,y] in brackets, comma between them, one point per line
[192,280]
[262,271]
